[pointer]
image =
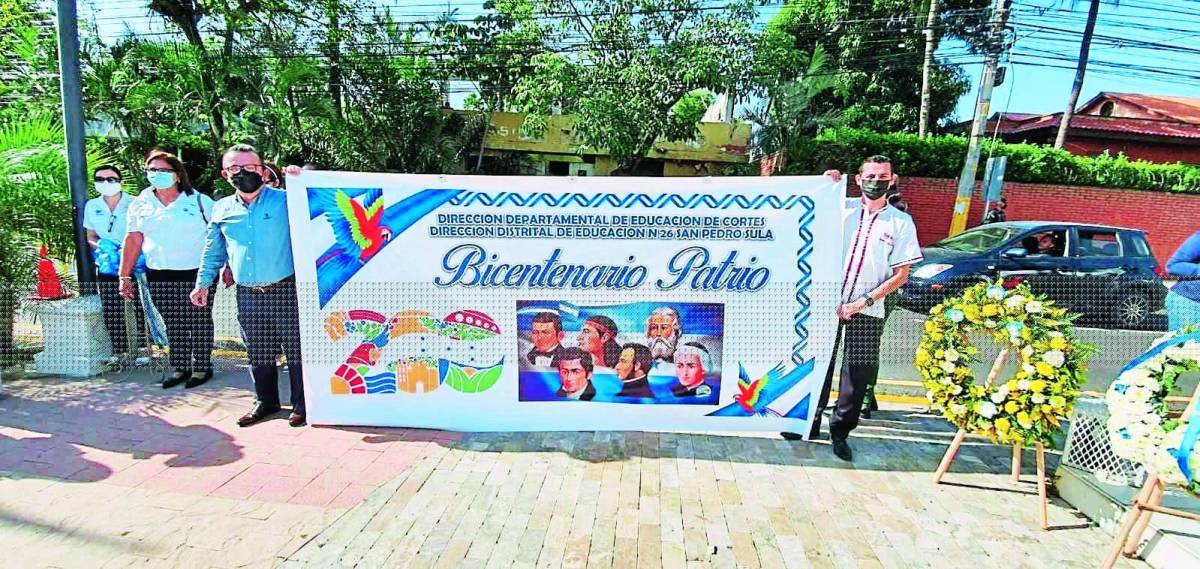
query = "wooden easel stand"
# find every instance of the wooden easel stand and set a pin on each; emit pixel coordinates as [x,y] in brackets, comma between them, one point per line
[1147,503]
[951,452]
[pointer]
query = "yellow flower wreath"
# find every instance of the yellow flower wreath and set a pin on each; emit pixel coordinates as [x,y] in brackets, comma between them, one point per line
[1023,409]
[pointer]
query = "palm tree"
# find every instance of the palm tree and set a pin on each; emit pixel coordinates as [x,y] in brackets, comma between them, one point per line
[1080,69]
[788,115]
[36,205]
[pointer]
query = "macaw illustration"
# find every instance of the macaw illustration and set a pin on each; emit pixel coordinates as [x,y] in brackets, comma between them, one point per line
[749,395]
[753,397]
[358,227]
[362,226]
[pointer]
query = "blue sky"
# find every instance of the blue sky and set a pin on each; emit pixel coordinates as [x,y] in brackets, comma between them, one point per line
[1046,32]
[1032,87]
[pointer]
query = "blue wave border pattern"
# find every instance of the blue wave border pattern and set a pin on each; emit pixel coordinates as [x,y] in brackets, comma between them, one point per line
[654,201]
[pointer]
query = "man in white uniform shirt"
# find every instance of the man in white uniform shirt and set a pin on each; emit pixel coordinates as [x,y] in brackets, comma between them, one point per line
[879,248]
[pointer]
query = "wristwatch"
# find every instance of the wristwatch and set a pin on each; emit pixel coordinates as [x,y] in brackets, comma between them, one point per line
[867,299]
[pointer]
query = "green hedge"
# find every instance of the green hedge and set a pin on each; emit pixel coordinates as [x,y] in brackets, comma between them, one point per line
[942,157]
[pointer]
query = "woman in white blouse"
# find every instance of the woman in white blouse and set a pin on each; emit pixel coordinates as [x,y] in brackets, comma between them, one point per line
[104,220]
[168,222]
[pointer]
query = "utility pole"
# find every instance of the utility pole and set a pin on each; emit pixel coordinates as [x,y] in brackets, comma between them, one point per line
[72,102]
[1085,46]
[927,67]
[966,180]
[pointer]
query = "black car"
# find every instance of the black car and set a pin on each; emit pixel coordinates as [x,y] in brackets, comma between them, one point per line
[1107,274]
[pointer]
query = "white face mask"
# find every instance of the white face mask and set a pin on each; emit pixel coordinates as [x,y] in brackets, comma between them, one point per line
[108,189]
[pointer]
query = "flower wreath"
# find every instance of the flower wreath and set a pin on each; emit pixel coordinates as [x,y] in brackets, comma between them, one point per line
[1138,425]
[1027,408]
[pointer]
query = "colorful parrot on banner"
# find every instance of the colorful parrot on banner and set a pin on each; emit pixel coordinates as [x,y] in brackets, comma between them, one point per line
[362,226]
[749,395]
[753,397]
[358,227]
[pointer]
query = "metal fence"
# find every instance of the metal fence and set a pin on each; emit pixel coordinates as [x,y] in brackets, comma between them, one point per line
[1088,448]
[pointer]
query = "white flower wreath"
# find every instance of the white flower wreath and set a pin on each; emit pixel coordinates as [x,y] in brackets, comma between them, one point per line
[1138,425]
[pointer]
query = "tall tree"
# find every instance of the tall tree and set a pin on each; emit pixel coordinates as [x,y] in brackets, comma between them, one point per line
[1085,46]
[493,51]
[927,66]
[186,15]
[28,60]
[636,71]
[152,95]
[393,119]
[876,50]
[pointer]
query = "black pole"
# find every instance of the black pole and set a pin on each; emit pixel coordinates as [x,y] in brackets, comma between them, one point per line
[72,99]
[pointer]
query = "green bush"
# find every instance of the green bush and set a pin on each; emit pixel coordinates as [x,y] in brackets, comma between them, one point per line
[942,157]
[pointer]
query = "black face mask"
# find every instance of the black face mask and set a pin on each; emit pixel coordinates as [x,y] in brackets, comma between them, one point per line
[875,189]
[247,182]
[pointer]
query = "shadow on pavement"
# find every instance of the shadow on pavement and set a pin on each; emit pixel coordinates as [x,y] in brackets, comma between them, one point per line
[893,440]
[50,432]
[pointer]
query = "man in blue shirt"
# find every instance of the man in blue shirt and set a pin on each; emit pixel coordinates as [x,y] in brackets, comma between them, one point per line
[1183,303]
[249,231]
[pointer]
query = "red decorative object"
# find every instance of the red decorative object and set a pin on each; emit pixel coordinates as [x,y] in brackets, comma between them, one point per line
[48,286]
[473,319]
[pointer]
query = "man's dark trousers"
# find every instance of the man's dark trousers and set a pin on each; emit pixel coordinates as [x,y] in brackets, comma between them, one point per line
[270,320]
[860,367]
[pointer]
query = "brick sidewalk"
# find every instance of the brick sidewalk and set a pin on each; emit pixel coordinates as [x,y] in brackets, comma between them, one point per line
[124,473]
[677,500]
[104,473]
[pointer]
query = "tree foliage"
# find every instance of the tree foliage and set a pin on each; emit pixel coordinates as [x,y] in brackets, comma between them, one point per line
[875,49]
[324,82]
[347,85]
[28,56]
[33,171]
[789,114]
[638,70]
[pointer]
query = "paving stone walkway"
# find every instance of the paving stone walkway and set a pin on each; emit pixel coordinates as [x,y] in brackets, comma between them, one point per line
[680,500]
[116,472]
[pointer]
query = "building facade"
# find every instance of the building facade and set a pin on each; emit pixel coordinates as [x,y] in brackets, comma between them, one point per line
[1155,128]
[559,152]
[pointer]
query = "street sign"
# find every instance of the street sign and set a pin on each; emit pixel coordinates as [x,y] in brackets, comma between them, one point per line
[993,181]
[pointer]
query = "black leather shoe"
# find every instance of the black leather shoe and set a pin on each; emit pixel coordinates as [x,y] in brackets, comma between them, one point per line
[792,436]
[258,413]
[866,413]
[176,378]
[841,449]
[296,420]
[198,380]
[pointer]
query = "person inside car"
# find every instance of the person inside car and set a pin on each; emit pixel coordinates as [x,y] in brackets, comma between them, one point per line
[1044,243]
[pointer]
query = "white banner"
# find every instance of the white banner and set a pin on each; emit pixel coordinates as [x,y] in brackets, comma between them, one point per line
[539,303]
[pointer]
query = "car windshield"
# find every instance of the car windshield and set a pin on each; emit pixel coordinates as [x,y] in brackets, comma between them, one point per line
[977,240]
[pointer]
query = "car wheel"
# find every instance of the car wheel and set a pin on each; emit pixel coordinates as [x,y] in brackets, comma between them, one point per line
[1132,310]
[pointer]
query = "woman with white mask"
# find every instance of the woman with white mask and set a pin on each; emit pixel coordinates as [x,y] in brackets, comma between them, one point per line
[104,222]
[168,222]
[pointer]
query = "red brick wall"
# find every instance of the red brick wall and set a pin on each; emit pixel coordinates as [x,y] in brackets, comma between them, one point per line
[1168,219]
